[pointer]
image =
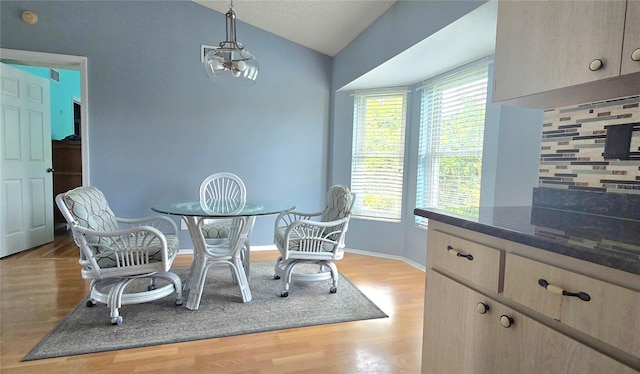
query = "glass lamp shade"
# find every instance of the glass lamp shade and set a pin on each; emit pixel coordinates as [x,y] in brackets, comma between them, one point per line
[231,66]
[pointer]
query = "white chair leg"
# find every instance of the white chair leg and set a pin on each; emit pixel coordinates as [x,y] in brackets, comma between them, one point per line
[175,281]
[334,276]
[246,258]
[278,269]
[243,282]
[189,281]
[285,271]
[289,265]
[195,292]
[114,300]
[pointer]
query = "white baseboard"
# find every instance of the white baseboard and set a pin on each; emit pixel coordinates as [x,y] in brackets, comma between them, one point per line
[387,256]
[272,247]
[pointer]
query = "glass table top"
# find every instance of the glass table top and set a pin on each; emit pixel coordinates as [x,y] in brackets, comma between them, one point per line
[223,208]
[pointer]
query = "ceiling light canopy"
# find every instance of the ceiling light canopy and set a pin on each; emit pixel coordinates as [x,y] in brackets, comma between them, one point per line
[231,64]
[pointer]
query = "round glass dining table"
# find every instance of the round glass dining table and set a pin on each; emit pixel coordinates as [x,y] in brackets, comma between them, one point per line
[222,209]
[242,214]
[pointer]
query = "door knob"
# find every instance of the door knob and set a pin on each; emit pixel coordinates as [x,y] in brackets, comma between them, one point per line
[50,170]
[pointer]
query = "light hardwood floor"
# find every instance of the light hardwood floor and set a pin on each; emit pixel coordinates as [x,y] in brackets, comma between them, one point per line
[38,288]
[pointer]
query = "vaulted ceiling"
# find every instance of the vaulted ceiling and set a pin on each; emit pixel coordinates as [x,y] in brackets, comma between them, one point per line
[326,26]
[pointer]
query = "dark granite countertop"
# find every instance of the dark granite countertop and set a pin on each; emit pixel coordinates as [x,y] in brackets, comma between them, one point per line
[604,240]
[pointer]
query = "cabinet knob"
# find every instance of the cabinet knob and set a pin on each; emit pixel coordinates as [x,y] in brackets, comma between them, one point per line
[482,308]
[596,64]
[50,170]
[456,253]
[635,55]
[506,321]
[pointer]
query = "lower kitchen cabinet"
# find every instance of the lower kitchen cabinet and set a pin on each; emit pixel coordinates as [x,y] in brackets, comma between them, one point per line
[468,332]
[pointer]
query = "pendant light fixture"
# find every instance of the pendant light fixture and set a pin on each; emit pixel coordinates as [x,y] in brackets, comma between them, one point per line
[230,63]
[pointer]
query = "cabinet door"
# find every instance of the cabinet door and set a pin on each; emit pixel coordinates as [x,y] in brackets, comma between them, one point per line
[457,338]
[531,347]
[546,45]
[631,37]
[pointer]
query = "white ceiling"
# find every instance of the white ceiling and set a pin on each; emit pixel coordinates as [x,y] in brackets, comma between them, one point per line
[325,26]
[470,38]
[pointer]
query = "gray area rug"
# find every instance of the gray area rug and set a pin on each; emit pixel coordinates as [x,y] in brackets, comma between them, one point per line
[221,313]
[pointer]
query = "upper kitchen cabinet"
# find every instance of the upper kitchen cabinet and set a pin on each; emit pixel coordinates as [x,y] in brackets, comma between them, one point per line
[631,44]
[558,53]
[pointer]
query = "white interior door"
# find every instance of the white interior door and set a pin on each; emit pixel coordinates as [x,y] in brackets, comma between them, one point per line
[26,184]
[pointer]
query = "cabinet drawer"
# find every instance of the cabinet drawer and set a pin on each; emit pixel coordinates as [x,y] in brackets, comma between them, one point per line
[472,261]
[611,314]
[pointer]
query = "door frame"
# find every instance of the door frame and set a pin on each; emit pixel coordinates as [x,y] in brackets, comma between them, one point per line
[69,62]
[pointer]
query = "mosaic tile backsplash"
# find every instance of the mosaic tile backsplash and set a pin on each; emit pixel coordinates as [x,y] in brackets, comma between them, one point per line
[573,143]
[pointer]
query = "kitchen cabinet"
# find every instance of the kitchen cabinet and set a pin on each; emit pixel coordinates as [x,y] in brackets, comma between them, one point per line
[600,309]
[467,332]
[543,48]
[631,45]
[486,312]
[456,338]
[472,261]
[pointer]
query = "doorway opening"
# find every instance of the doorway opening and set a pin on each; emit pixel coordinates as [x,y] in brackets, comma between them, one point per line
[79,127]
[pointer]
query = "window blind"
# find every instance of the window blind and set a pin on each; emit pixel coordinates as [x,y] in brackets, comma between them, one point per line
[379,121]
[452,116]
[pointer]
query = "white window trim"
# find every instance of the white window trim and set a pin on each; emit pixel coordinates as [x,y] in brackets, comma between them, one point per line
[424,155]
[397,152]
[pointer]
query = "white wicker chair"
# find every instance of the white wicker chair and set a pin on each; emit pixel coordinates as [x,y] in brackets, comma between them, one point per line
[113,256]
[303,240]
[223,188]
[226,240]
[226,252]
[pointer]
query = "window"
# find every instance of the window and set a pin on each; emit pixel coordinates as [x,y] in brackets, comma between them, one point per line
[377,164]
[451,136]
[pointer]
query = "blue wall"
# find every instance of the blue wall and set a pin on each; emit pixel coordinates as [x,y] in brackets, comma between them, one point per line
[62,95]
[158,127]
[509,174]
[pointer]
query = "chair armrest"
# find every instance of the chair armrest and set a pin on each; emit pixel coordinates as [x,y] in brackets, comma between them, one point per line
[319,231]
[162,223]
[124,243]
[287,217]
[315,224]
